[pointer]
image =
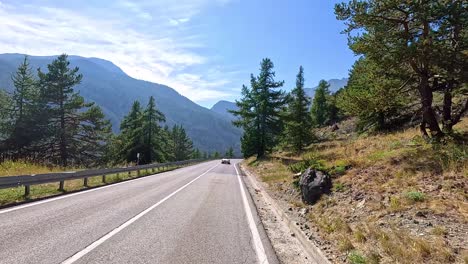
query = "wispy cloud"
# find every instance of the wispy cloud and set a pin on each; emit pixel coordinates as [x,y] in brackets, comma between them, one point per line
[148,40]
[176,22]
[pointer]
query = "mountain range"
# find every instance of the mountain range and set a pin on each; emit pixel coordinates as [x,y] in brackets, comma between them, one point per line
[114,91]
[222,107]
[335,85]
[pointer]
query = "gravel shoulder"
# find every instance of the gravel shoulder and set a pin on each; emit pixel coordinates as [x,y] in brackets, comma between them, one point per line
[290,237]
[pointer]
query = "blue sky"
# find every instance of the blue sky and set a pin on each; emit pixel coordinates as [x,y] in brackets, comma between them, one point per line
[205,49]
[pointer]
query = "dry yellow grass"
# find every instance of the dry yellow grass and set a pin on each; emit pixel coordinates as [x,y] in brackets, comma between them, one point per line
[16,195]
[21,167]
[397,174]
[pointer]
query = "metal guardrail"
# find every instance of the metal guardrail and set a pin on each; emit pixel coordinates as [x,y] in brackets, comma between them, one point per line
[28,180]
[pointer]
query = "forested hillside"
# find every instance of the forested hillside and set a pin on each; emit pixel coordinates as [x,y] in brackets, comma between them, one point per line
[46,121]
[114,91]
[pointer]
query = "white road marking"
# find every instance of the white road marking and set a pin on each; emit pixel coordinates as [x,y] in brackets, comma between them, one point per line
[257,242]
[112,233]
[67,196]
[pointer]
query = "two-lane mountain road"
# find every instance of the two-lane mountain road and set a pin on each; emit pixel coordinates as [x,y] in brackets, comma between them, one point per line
[196,214]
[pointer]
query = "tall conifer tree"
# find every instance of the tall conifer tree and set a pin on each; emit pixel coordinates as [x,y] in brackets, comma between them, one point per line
[259,111]
[319,110]
[72,123]
[182,145]
[22,122]
[154,147]
[131,137]
[298,122]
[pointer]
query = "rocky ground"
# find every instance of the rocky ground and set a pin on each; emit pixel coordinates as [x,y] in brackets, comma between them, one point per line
[287,247]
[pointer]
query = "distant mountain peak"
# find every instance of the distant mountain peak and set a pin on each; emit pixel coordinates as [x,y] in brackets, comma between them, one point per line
[222,107]
[335,85]
[110,66]
[105,64]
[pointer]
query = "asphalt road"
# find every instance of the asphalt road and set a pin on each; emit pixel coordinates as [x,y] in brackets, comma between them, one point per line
[197,214]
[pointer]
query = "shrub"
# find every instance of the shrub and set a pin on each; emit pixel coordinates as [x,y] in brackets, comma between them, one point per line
[355,257]
[301,166]
[359,236]
[450,154]
[439,231]
[338,170]
[395,203]
[345,245]
[373,258]
[415,196]
[338,187]
[295,184]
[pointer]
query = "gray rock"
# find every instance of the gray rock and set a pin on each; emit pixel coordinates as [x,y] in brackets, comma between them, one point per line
[420,214]
[303,212]
[361,204]
[314,183]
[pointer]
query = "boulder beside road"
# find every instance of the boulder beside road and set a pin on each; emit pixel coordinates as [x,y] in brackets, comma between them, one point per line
[314,183]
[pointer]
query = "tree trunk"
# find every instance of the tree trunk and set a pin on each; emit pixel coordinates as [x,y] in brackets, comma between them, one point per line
[381,120]
[429,119]
[447,121]
[63,144]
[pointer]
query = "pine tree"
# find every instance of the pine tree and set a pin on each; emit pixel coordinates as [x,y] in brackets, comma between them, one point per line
[5,102]
[319,110]
[259,111]
[168,143]
[182,144]
[375,96]
[230,153]
[131,138]
[248,120]
[154,147]
[334,113]
[22,122]
[95,133]
[196,154]
[298,122]
[72,123]
[47,120]
[423,38]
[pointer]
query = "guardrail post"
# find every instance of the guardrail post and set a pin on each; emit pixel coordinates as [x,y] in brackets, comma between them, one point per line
[152,170]
[104,178]
[85,182]
[138,173]
[27,190]
[61,186]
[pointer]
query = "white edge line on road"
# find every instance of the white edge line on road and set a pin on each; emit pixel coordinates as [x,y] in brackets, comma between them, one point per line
[47,200]
[257,242]
[112,233]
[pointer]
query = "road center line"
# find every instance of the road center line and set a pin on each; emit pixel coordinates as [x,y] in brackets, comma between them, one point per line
[257,242]
[112,233]
[48,200]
